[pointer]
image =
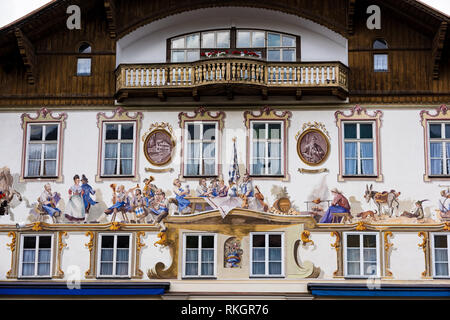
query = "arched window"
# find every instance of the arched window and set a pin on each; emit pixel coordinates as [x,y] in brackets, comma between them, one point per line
[380,59]
[83,62]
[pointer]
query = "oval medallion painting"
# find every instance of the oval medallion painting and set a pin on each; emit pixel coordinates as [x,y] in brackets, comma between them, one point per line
[313,147]
[158,147]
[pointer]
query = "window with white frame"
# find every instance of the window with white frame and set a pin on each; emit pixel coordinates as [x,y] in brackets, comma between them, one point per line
[118,149]
[42,150]
[199,255]
[201,145]
[266,158]
[359,148]
[114,255]
[380,59]
[36,256]
[361,252]
[440,252]
[267,258]
[439,146]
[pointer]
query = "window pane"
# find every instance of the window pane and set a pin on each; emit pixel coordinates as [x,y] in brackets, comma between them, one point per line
[29,255]
[258,39]
[366,150]
[193,41]
[126,150]
[353,268]
[50,168]
[441,255]
[440,241]
[274,268]
[370,241]
[208,40]
[209,150]
[107,241]
[447,131]
[275,166]
[209,167]
[192,242]
[243,39]
[44,269]
[34,168]
[273,55]
[110,167]
[193,55]
[29,242]
[84,66]
[51,133]
[259,268]
[275,240]
[365,131]
[112,132]
[370,268]
[258,167]
[193,168]
[259,131]
[274,131]
[380,44]
[288,55]
[275,150]
[259,240]
[191,269]
[353,255]
[207,242]
[207,269]
[193,132]
[191,255]
[441,269]
[127,131]
[45,242]
[111,150]
[193,150]
[275,254]
[259,149]
[370,255]
[223,39]
[435,131]
[36,133]
[122,255]
[34,151]
[107,255]
[85,48]
[209,132]
[44,256]
[207,255]
[123,242]
[106,269]
[380,62]
[350,131]
[353,241]
[177,56]
[126,167]
[259,254]
[288,41]
[122,269]
[50,151]
[273,40]
[178,43]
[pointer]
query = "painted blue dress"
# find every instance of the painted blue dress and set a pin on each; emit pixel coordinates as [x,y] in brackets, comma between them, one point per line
[51,211]
[182,202]
[328,216]
[87,191]
[120,203]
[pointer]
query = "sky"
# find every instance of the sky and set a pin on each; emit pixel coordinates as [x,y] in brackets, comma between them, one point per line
[11,10]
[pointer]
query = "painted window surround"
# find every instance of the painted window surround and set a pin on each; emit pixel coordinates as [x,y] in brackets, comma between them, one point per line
[114,262]
[119,116]
[43,116]
[359,114]
[267,114]
[21,254]
[201,115]
[439,115]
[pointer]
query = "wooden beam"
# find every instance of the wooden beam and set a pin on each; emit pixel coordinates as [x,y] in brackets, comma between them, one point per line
[351,16]
[437,48]
[111,17]
[28,54]
[161,95]
[195,94]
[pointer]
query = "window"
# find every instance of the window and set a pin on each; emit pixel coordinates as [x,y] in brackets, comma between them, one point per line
[266,148]
[380,60]
[361,255]
[271,46]
[439,146]
[42,150]
[114,256]
[201,146]
[84,63]
[440,251]
[118,146]
[267,254]
[199,255]
[359,145]
[36,256]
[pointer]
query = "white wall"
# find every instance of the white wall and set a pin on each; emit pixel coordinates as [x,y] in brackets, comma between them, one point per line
[148,43]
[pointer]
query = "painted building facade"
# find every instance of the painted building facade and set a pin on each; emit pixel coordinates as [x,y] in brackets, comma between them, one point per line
[253,149]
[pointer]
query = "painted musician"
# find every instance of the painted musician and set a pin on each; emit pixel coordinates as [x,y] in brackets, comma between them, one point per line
[246,186]
[49,201]
[160,209]
[138,207]
[121,203]
[149,190]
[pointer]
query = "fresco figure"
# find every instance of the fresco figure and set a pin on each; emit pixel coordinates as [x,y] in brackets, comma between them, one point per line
[75,210]
[138,209]
[246,186]
[444,204]
[180,195]
[232,253]
[312,151]
[7,193]
[222,189]
[202,189]
[382,198]
[121,203]
[339,204]
[48,202]
[160,209]
[87,192]
[149,190]
[213,188]
[418,212]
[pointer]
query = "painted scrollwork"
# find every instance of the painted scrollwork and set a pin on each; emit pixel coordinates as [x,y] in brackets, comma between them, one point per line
[90,246]
[424,246]
[337,247]
[61,246]
[387,248]
[139,245]
[12,247]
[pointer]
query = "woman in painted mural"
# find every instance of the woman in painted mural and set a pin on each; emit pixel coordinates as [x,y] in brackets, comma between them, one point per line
[87,192]
[180,195]
[75,210]
[340,205]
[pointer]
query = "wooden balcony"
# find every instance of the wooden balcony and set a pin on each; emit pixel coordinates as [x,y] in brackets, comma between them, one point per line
[231,77]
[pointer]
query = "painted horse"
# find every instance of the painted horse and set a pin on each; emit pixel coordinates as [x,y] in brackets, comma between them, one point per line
[389,199]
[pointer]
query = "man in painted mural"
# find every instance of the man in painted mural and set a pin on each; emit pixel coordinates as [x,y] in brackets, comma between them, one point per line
[246,186]
[202,189]
[87,192]
[418,212]
[160,209]
[340,204]
[313,151]
[49,201]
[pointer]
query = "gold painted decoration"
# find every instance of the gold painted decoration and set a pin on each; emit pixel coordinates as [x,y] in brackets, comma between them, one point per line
[115,226]
[12,247]
[159,144]
[313,144]
[424,246]
[337,247]
[313,171]
[90,246]
[61,246]
[387,248]
[159,170]
[361,226]
[37,226]
[305,238]
[447,226]
[139,245]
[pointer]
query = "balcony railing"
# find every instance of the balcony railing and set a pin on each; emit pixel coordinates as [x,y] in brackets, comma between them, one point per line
[245,71]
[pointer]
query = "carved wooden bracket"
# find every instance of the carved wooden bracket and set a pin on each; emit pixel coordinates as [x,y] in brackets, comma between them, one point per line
[111,17]
[351,16]
[437,49]
[28,54]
